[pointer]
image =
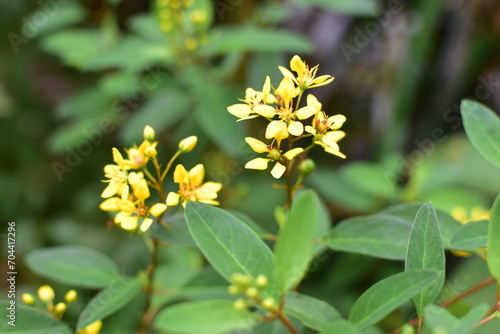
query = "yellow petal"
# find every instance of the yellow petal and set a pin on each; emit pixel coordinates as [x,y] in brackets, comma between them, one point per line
[328,142]
[240,110]
[117,156]
[265,110]
[111,204]
[121,216]
[208,190]
[209,201]
[256,145]
[110,190]
[335,135]
[129,223]
[196,175]
[146,223]
[321,81]
[336,122]
[305,112]
[172,199]
[312,101]
[286,73]
[157,209]
[266,89]
[295,128]
[141,189]
[297,65]
[310,129]
[180,174]
[126,206]
[293,153]
[278,170]
[287,91]
[276,129]
[257,163]
[334,152]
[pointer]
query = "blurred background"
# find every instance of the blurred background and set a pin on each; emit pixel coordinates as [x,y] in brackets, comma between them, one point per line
[80,77]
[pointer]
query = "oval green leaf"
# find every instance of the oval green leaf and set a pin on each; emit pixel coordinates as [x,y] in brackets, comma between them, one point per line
[109,300]
[294,248]
[228,243]
[29,320]
[76,266]
[312,312]
[493,250]
[472,235]
[482,126]
[386,295]
[425,251]
[341,326]
[208,317]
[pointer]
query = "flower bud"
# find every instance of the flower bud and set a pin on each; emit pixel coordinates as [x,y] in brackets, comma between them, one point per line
[149,133]
[252,292]
[187,144]
[308,166]
[151,152]
[93,328]
[28,299]
[46,294]
[275,154]
[60,308]
[240,305]
[233,290]
[407,329]
[70,296]
[261,281]
[268,303]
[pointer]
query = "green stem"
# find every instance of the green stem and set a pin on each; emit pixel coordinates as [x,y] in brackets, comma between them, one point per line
[169,165]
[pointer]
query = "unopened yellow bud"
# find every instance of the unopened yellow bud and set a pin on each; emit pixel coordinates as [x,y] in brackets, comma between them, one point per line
[252,292]
[240,305]
[60,308]
[261,281]
[149,133]
[187,144]
[28,299]
[46,294]
[268,303]
[151,152]
[70,296]
[233,290]
[93,328]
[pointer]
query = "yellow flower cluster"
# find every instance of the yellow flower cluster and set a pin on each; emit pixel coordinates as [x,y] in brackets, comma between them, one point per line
[176,18]
[129,183]
[283,111]
[46,295]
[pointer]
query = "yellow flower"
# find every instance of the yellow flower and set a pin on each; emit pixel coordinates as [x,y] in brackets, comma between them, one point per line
[287,123]
[192,188]
[133,208]
[187,144]
[93,328]
[273,154]
[324,128]
[117,182]
[137,156]
[252,100]
[305,78]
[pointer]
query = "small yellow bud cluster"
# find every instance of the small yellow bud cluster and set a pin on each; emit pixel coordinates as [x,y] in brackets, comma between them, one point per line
[282,108]
[251,290]
[129,182]
[180,19]
[46,296]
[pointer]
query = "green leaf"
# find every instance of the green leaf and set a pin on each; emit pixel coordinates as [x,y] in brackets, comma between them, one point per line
[368,235]
[228,243]
[493,250]
[425,251]
[109,300]
[369,178]
[438,318]
[29,320]
[294,248]
[349,7]
[312,312]
[386,295]
[208,317]
[259,230]
[229,39]
[341,326]
[73,265]
[482,126]
[472,235]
